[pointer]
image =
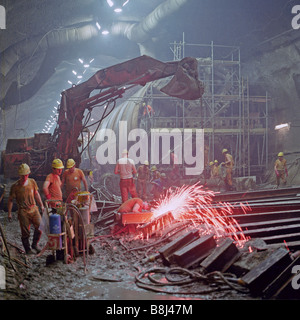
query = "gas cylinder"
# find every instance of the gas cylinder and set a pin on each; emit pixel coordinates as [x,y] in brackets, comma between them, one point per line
[55,223]
[85,213]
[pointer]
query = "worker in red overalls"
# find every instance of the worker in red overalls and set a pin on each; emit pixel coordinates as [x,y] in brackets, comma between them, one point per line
[125,167]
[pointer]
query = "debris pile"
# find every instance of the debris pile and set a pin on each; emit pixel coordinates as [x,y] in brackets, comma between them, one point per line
[168,255]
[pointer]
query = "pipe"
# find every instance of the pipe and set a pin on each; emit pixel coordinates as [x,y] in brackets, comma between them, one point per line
[24,50]
[140,32]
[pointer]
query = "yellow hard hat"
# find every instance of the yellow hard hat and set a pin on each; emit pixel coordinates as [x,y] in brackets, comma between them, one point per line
[211,163]
[153,168]
[216,161]
[224,150]
[146,163]
[70,163]
[57,164]
[280,154]
[23,169]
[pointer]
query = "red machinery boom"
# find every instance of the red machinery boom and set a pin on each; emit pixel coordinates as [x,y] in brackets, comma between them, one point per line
[112,82]
[138,71]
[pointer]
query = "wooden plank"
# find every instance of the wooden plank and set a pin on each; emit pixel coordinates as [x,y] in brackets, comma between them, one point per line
[261,276]
[195,251]
[283,279]
[166,252]
[222,257]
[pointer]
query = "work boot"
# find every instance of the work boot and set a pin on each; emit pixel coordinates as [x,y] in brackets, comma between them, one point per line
[26,245]
[36,238]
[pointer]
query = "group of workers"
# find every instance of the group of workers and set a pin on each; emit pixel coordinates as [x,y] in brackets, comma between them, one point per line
[25,192]
[215,168]
[280,169]
[145,175]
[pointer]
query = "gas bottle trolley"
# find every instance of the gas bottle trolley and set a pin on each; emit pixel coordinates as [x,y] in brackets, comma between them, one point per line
[59,229]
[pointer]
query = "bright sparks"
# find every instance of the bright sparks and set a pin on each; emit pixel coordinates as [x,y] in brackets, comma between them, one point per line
[195,204]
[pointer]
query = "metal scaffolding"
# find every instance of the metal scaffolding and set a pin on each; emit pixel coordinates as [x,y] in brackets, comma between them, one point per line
[231,117]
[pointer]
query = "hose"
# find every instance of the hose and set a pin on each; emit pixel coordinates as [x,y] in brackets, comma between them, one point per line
[186,277]
[70,205]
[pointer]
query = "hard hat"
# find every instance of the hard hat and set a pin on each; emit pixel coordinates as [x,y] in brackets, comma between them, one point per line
[57,164]
[125,151]
[280,154]
[146,163]
[211,163]
[70,163]
[153,168]
[23,169]
[163,175]
[216,161]
[224,150]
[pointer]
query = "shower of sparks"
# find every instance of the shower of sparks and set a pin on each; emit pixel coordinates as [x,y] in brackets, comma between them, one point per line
[195,204]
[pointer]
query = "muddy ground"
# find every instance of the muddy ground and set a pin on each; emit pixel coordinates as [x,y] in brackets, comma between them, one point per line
[108,274]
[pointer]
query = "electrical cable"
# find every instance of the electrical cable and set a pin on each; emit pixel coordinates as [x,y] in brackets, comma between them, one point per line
[145,279]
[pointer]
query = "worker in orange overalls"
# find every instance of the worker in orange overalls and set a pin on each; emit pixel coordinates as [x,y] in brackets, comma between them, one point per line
[52,184]
[155,174]
[214,169]
[135,205]
[72,179]
[281,169]
[229,163]
[26,193]
[148,110]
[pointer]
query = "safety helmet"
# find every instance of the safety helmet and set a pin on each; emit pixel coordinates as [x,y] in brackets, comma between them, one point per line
[70,163]
[57,164]
[211,163]
[216,161]
[280,154]
[23,169]
[125,151]
[146,163]
[224,150]
[153,168]
[163,175]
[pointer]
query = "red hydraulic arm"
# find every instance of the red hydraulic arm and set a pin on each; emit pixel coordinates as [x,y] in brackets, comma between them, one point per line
[138,71]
